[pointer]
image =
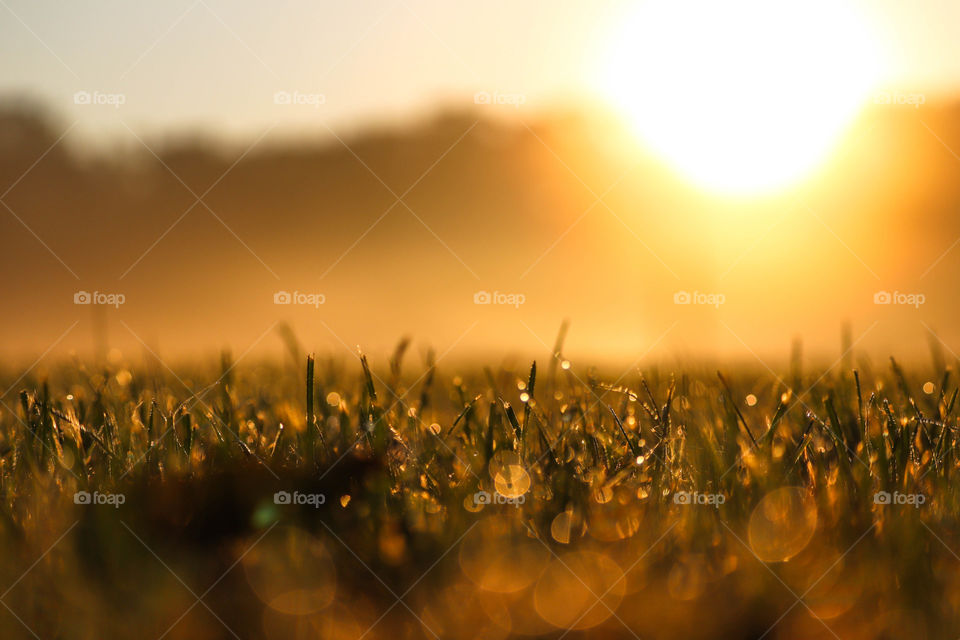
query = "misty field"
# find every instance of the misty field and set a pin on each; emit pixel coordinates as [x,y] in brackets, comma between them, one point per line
[348,499]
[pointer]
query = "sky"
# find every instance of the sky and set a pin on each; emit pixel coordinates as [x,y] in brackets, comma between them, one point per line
[215,65]
[870,209]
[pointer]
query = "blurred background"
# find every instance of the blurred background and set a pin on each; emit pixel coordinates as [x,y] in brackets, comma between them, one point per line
[696,181]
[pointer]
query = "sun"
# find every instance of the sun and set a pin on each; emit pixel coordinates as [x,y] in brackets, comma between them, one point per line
[741,95]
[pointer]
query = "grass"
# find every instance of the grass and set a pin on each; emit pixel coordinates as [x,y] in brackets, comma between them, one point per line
[549,502]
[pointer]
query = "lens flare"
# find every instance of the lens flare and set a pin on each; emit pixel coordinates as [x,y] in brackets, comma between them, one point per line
[782,524]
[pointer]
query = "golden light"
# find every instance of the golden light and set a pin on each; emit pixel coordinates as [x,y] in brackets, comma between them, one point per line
[782,524]
[741,96]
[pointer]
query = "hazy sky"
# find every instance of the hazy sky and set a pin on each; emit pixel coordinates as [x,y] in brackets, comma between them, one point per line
[217,64]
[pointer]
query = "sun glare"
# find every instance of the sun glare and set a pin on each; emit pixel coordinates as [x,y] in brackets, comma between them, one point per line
[742,96]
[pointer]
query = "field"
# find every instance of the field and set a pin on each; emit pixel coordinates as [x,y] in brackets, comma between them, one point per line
[353,499]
